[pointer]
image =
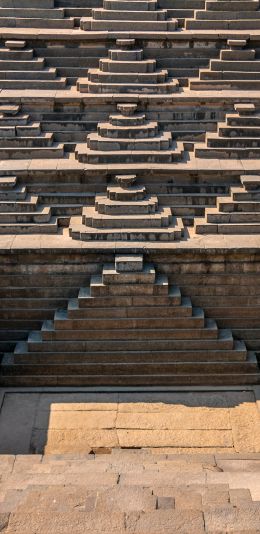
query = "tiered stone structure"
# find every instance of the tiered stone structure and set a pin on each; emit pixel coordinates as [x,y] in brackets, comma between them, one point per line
[119,15]
[130,126]
[226,15]
[126,213]
[238,137]
[125,71]
[111,335]
[237,68]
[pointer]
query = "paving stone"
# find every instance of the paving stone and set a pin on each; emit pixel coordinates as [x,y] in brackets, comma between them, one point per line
[162,521]
[122,499]
[230,518]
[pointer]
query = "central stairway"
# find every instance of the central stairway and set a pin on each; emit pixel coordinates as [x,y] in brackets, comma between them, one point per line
[129,327]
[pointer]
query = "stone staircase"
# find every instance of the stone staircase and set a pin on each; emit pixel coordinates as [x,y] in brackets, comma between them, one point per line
[125,71]
[21,138]
[33,14]
[19,69]
[237,137]
[236,69]
[238,213]
[121,15]
[128,138]
[109,335]
[126,213]
[226,15]
[21,213]
[126,491]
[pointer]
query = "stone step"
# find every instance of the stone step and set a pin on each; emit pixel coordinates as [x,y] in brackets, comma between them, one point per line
[85,155]
[18,56]
[161,141]
[129,15]
[127,66]
[229,75]
[122,55]
[200,379]
[130,121]
[7,183]
[9,365]
[86,86]
[147,130]
[130,5]
[214,141]
[42,214]
[238,131]
[162,218]
[50,227]
[19,193]
[99,289]
[253,66]
[44,74]
[242,21]
[103,205]
[172,298]
[239,207]
[251,181]
[19,120]
[57,83]
[31,13]
[18,206]
[214,216]
[184,309]
[54,151]
[235,14]
[234,5]
[202,227]
[44,140]
[87,24]
[86,233]
[98,76]
[32,129]
[35,22]
[201,151]
[16,63]
[206,85]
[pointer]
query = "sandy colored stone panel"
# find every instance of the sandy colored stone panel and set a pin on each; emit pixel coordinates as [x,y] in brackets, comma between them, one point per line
[231,519]
[170,521]
[81,420]
[182,418]
[245,421]
[62,441]
[124,499]
[175,438]
[78,401]
[65,523]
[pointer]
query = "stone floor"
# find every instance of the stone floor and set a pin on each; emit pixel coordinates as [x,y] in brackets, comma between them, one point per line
[219,421]
[131,492]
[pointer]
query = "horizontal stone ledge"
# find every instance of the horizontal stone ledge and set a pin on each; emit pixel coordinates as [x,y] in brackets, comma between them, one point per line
[78,34]
[57,244]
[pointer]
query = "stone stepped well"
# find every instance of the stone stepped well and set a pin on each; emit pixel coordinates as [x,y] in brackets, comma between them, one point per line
[126,213]
[33,286]
[226,15]
[237,137]
[20,69]
[238,213]
[237,68]
[128,345]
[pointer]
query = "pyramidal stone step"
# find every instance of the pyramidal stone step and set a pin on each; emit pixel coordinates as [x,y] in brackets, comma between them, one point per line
[107,349]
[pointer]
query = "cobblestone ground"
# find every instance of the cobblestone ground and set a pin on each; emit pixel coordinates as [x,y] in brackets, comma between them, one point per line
[135,492]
